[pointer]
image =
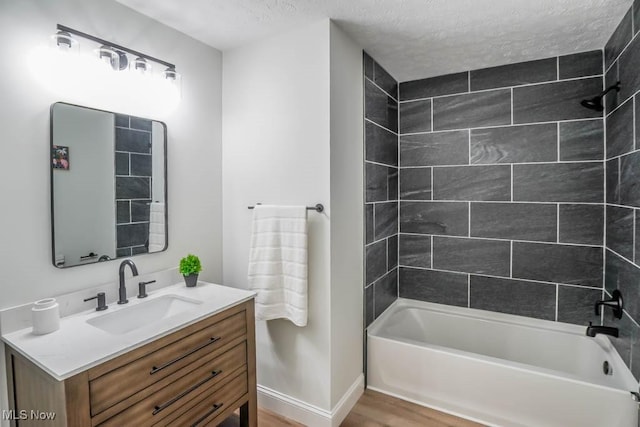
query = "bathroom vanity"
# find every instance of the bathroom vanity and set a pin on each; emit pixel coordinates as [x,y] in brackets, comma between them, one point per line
[194,367]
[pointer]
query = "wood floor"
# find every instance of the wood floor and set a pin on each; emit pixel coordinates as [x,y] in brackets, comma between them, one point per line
[374,410]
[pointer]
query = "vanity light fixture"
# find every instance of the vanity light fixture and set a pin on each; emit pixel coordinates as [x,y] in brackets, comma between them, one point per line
[116,55]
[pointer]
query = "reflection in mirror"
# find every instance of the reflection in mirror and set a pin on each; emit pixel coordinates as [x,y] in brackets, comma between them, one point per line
[108,185]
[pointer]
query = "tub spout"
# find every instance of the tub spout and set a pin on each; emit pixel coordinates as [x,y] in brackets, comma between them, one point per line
[592,331]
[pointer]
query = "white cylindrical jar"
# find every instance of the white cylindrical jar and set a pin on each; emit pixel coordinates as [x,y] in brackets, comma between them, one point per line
[45,315]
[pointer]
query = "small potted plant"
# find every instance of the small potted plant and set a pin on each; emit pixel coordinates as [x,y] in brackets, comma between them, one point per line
[189,268]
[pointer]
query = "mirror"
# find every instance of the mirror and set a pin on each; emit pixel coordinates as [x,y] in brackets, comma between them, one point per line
[108,185]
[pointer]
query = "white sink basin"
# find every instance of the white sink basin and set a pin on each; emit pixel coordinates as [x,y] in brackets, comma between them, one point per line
[139,315]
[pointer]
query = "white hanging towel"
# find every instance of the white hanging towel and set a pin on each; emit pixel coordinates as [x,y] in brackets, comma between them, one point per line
[157,236]
[278,262]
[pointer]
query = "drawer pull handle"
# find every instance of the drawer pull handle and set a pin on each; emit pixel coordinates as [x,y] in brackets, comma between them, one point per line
[155,369]
[211,411]
[160,408]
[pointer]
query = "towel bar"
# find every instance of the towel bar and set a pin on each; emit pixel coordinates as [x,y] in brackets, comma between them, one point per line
[318,208]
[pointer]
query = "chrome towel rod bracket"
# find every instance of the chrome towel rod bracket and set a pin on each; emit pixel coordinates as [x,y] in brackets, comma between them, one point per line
[318,208]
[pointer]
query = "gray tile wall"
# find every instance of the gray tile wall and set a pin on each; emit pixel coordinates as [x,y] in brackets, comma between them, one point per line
[383,183]
[501,198]
[133,184]
[622,177]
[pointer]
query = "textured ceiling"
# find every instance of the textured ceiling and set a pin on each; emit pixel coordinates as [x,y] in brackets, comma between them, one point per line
[411,38]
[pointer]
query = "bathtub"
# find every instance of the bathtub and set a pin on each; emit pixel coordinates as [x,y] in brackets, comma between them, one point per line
[499,369]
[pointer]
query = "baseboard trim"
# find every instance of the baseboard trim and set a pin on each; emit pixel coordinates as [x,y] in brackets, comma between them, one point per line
[307,414]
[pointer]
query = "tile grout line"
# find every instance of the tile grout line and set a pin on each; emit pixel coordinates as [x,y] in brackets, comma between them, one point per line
[521,279]
[511,259]
[593,76]
[380,126]
[585,119]
[558,223]
[384,91]
[468,290]
[501,239]
[548,162]
[558,140]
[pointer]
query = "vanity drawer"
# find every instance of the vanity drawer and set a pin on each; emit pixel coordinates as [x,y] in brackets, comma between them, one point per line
[211,406]
[184,392]
[125,380]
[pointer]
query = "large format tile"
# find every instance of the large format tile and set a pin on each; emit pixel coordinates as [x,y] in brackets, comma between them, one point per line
[123,212]
[574,265]
[515,144]
[490,183]
[480,109]
[385,219]
[613,181]
[367,65]
[439,148]
[141,165]
[618,40]
[434,286]
[122,163]
[140,210]
[627,340]
[582,140]
[434,86]
[630,179]
[368,220]
[620,130]
[415,116]
[519,221]
[133,187]
[369,314]
[583,224]
[380,107]
[384,80]
[627,66]
[513,297]
[542,70]
[415,250]
[637,237]
[555,101]
[471,255]
[580,64]
[141,124]
[382,182]
[620,232]
[392,252]
[575,305]
[625,276]
[446,218]
[636,19]
[613,98]
[375,261]
[381,146]
[559,182]
[385,292]
[415,184]
[133,141]
[132,234]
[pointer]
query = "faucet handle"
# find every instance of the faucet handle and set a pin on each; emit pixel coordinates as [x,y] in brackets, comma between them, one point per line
[142,288]
[102,301]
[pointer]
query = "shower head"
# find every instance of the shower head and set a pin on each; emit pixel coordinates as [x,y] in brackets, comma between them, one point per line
[595,103]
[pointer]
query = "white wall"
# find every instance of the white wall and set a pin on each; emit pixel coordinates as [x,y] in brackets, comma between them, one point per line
[347,213]
[276,150]
[194,148]
[292,134]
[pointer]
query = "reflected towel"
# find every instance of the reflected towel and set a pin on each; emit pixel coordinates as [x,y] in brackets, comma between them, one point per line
[157,236]
[278,262]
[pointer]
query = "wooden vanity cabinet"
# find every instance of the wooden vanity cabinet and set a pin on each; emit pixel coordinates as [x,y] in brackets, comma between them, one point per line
[196,376]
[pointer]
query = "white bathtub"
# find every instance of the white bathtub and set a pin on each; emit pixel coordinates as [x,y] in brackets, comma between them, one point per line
[499,369]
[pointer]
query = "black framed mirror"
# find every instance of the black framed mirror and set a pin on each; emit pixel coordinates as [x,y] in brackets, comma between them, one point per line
[108,185]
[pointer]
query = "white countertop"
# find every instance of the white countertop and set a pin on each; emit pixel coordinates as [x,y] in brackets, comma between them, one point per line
[78,346]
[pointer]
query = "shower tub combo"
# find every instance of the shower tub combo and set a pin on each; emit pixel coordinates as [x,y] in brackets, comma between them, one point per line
[499,369]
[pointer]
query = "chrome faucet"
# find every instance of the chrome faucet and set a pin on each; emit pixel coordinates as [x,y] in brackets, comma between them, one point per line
[122,289]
